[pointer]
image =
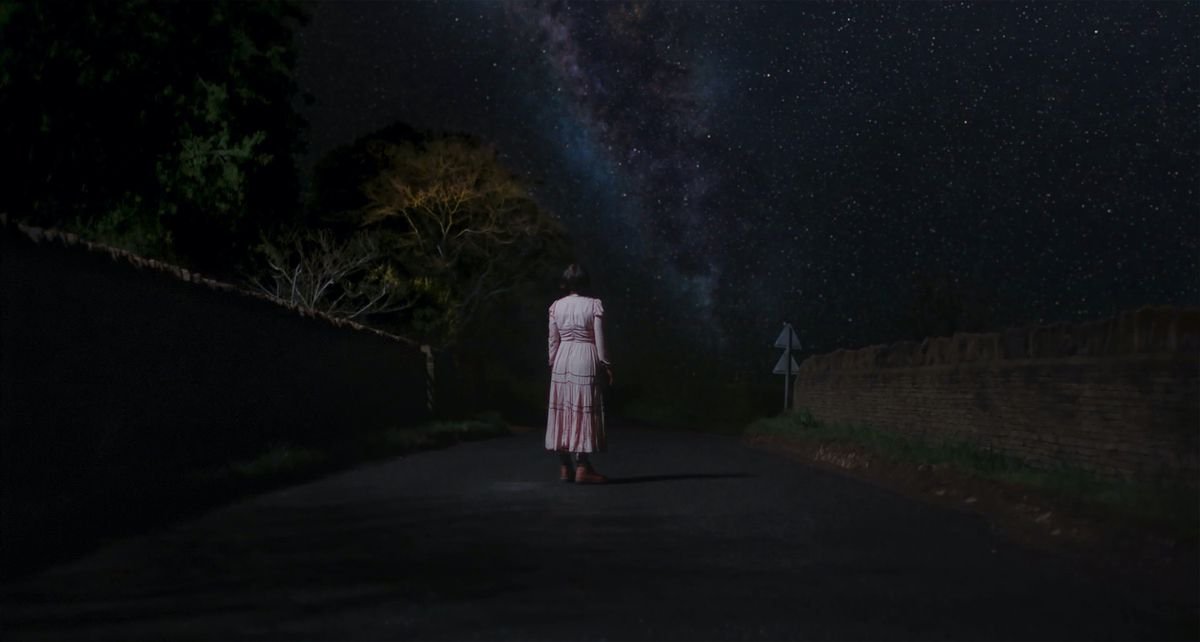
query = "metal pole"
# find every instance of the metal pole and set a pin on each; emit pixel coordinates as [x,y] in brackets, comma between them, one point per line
[430,381]
[787,358]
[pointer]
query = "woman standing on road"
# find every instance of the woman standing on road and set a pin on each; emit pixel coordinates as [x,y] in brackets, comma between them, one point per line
[575,421]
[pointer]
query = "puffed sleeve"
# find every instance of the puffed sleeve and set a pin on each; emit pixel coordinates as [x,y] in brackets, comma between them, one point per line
[598,331]
[553,338]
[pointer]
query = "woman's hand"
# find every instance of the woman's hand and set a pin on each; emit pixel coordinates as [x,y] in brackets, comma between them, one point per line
[608,369]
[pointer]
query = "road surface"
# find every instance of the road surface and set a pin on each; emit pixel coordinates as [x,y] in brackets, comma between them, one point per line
[699,538]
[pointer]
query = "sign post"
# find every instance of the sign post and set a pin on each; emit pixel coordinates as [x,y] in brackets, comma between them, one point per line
[430,382]
[786,364]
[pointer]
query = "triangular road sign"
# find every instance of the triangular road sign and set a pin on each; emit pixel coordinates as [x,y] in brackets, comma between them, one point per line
[782,341]
[781,366]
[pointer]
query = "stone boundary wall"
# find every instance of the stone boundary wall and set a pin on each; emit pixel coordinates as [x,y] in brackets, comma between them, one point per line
[120,374]
[1119,396]
[67,239]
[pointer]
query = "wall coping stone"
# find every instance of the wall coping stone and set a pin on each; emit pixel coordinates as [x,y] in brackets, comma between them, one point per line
[76,243]
[1149,330]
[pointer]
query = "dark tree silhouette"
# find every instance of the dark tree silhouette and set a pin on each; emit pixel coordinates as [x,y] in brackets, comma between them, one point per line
[942,303]
[167,128]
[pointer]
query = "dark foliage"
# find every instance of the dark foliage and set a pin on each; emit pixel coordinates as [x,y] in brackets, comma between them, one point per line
[167,128]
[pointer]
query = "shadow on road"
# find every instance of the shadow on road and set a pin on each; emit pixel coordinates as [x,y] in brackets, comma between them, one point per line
[643,479]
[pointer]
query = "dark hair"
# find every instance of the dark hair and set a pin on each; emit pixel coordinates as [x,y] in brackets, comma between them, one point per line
[575,278]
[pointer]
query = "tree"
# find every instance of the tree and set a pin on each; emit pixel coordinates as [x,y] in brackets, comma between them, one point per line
[463,229]
[942,304]
[335,198]
[168,128]
[349,279]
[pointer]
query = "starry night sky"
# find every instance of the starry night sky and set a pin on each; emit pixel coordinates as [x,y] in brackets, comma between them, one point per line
[724,167]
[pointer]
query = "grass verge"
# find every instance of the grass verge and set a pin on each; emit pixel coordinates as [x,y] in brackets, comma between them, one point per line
[1165,507]
[286,462]
[437,434]
[702,406]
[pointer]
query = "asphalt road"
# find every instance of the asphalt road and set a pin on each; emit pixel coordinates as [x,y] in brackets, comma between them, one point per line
[699,538]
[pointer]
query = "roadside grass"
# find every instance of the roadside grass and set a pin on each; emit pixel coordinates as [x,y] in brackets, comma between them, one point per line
[283,462]
[713,407]
[279,459]
[396,441]
[1165,505]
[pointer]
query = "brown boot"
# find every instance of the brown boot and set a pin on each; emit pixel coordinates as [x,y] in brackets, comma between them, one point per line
[566,474]
[585,475]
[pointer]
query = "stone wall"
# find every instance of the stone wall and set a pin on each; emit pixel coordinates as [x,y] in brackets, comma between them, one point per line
[1119,396]
[120,374]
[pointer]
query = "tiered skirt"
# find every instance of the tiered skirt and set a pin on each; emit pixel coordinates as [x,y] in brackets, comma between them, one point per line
[575,421]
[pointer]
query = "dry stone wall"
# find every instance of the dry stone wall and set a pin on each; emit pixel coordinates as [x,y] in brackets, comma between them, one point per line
[1120,396]
[119,374]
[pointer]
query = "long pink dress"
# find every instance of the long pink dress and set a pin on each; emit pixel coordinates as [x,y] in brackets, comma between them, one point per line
[575,422]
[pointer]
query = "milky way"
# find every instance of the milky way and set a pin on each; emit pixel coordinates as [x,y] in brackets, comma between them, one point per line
[727,166]
[644,114]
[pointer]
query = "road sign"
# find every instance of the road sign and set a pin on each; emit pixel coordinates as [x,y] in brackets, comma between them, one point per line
[781,367]
[787,365]
[788,333]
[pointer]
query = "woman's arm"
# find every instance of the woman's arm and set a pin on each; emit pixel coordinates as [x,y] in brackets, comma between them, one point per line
[598,333]
[601,353]
[553,338]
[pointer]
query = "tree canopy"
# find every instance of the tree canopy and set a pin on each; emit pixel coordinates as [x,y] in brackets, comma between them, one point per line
[434,229]
[465,229]
[168,128]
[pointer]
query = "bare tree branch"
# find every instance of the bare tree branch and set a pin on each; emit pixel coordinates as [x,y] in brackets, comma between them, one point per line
[314,270]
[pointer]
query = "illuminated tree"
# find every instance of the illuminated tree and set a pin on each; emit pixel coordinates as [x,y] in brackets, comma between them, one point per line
[462,228]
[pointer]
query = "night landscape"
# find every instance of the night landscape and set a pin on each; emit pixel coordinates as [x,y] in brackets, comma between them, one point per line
[276,276]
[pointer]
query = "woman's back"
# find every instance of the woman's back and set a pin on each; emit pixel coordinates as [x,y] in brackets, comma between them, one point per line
[575,316]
